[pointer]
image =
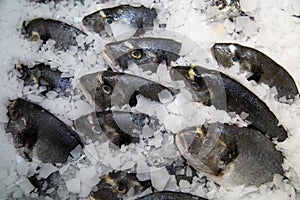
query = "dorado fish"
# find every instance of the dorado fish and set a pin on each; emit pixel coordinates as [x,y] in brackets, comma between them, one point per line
[118,185]
[147,53]
[262,68]
[169,195]
[137,17]
[215,88]
[34,129]
[119,89]
[42,75]
[44,29]
[229,155]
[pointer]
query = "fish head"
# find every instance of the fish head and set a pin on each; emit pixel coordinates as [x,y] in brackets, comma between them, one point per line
[32,30]
[195,80]
[147,53]
[118,185]
[227,54]
[18,124]
[204,150]
[95,22]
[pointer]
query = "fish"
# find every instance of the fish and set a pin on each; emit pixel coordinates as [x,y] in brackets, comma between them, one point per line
[229,155]
[138,17]
[44,29]
[122,127]
[262,68]
[43,75]
[34,129]
[119,89]
[169,195]
[146,52]
[117,185]
[212,87]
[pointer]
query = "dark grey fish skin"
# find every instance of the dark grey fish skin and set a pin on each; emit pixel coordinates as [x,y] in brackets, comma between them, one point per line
[263,68]
[118,184]
[44,29]
[146,52]
[34,128]
[229,155]
[43,75]
[119,89]
[168,195]
[215,88]
[138,17]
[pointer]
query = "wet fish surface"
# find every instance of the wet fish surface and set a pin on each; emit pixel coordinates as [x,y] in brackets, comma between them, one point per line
[146,52]
[44,29]
[168,195]
[215,88]
[230,155]
[35,129]
[263,69]
[119,89]
[138,17]
[43,75]
[117,185]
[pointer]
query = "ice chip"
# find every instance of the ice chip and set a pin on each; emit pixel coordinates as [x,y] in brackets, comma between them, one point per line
[73,185]
[159,178]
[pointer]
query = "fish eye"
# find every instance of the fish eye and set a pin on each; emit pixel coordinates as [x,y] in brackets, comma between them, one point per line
[136,54]
[196,86]
[109,20]
[235,58]
[106,89]
[122,189]
[14,114]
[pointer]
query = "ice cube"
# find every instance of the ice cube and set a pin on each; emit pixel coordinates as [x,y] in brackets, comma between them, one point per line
[185,186]
[241,22]
[159,177]
[147,131]
[91,153]
[73,185]
[23,168]
[165,96]
[47,169]
[25,185]
[248,6]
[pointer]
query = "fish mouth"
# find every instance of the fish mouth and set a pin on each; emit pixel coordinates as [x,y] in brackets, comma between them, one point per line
[184,141]
[111,61]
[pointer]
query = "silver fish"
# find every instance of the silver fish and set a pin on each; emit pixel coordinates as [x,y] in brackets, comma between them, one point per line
[229,155]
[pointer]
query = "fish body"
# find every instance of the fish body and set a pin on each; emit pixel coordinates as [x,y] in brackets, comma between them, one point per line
[146,52]
[117,185]
[44,29]
[42,75]
[215,88]
[138,17]
[169,195]
[119,89]
[34,128]
[230,155]
[262,68]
